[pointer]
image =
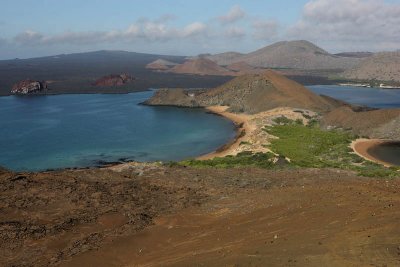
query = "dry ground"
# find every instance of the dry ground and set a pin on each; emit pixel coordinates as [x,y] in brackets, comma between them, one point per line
[147,215]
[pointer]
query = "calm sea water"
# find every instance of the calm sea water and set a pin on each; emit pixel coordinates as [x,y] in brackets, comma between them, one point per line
[372,97]
[387,152]
[47,132]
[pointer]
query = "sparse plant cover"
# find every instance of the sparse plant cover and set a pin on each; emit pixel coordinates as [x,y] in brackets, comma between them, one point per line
[306,147]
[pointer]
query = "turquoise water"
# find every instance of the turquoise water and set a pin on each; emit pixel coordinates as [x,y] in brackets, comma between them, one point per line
[49,132]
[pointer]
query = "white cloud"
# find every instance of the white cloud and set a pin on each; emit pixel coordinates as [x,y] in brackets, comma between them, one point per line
[193,29]
[350,24]
[143,29]
[236,13]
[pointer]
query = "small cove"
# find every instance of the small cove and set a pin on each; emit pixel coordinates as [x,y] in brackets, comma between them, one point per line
[388,152]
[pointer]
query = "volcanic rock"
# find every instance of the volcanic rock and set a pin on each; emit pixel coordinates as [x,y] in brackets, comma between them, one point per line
[28,86]
[114,80]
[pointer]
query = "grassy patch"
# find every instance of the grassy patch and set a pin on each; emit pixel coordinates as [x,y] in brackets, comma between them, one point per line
[311,147]
[306,147]
[262,160]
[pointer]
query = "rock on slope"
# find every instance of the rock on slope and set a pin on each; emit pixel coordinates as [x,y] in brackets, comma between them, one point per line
[382,124]
[381,66]
[200,66]
[28,86]
[293,54]
[249,94]
[114,80]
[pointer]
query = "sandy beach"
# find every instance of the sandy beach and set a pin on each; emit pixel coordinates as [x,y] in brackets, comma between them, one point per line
[250,134]
[362,145]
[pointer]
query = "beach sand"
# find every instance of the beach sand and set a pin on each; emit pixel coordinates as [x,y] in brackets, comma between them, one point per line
[250,134]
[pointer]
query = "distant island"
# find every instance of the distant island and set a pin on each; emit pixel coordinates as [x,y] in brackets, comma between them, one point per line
[301,61]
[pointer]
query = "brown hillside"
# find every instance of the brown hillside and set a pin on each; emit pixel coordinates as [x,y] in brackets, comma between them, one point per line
[293,55]
[201,66]
[240,67]
[383,123]
[249,93]
[160,64]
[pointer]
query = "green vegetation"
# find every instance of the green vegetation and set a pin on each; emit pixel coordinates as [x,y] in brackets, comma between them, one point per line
[262,160]
[306,147]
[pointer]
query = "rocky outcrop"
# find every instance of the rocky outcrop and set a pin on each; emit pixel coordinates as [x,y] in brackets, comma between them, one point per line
[28,87]
[381,124]
[249,94]
[114,80]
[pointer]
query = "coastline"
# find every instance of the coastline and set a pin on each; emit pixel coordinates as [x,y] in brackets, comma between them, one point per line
[250,134]
[361,146]
[242,131]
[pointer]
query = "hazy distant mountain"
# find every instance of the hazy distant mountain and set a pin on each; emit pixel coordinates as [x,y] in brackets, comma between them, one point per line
[160,64]
[200,66]
[354,54]
[75,73]
[383,66]
[292,54]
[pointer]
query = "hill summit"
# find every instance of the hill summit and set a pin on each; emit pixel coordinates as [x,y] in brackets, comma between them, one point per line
[289,54]
[248,93]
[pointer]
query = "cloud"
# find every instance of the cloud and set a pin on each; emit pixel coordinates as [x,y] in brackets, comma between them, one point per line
[265,29]
[235,14]
[143,30]
[369,24]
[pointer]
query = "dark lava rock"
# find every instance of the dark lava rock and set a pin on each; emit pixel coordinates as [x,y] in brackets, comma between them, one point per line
[114,80]
[28,86]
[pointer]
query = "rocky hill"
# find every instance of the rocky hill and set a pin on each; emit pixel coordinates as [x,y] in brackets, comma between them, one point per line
[160,64]
[382,123]
[201,66]
[28,87]
[289,54]
[249,93]
[114,80]
[383,66]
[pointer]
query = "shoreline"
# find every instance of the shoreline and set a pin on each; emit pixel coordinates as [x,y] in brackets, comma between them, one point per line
[242,130]
[362,145]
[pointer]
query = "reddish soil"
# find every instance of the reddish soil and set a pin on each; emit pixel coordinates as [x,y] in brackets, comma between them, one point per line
[148,215]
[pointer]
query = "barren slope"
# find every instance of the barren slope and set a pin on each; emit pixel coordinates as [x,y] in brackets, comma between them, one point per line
[381,66]
[148,215]
[200,66]
[382,124]
[293,55]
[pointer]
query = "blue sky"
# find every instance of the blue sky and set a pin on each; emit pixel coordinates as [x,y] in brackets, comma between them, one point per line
[31,28]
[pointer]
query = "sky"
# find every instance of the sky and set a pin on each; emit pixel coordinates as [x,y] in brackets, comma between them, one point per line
[33,28]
